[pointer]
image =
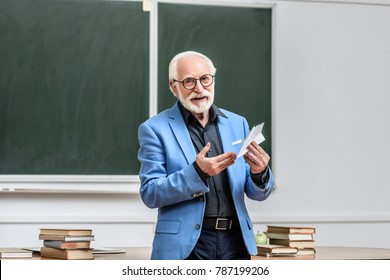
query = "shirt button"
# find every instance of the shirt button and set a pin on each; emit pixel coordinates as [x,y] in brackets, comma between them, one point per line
[197,226]
[201,199]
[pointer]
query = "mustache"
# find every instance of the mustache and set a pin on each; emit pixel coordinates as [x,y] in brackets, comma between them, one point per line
[204,93]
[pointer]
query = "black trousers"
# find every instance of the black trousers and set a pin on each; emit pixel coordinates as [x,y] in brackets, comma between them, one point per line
[219,245]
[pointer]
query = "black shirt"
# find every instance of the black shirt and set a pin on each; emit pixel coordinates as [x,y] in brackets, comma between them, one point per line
[219,201]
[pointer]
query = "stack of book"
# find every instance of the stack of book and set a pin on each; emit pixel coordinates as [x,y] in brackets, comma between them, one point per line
[301,238]
[68,244]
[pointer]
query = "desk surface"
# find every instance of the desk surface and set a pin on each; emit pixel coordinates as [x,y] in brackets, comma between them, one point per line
[323,253]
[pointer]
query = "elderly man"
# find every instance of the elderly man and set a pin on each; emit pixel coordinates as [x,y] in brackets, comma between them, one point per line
[190,171]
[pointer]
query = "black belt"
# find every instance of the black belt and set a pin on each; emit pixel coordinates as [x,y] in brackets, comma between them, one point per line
[220,223]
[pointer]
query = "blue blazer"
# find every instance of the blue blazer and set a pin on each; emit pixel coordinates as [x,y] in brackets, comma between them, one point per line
[170,183]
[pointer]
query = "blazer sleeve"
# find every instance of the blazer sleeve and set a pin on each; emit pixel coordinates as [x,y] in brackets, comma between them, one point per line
[162,185]
[262,192]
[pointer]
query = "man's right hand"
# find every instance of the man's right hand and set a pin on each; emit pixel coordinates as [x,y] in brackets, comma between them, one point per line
[215,165]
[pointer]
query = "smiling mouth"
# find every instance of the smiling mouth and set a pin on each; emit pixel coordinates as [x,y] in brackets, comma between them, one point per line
[199,98]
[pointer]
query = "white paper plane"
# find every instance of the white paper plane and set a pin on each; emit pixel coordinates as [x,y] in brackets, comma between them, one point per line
[254,135]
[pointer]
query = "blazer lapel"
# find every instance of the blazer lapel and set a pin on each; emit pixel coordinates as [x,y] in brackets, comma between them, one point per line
[224,131]
[182,136]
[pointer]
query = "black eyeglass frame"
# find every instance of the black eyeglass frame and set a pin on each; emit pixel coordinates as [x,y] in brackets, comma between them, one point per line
[196,80]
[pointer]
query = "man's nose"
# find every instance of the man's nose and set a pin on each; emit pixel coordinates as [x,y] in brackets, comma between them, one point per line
[198,86]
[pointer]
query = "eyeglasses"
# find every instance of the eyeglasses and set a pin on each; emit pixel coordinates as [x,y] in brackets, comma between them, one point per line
[190,83]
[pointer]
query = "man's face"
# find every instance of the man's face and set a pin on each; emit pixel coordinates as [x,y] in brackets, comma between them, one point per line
[200,98]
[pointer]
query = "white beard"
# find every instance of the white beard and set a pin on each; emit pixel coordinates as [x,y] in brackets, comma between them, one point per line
[196,108]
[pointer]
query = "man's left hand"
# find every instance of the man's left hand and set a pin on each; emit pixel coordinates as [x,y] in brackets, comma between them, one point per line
[257,158]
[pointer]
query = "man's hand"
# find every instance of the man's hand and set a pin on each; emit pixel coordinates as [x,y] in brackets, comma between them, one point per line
[215,165]
[257,158]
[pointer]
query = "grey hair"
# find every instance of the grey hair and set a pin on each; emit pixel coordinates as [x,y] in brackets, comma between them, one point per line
[172,74]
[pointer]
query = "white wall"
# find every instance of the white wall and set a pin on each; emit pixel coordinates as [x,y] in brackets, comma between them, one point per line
[331,109]
[330,135]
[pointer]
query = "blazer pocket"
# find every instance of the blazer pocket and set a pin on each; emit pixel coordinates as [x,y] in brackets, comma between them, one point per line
[167,227]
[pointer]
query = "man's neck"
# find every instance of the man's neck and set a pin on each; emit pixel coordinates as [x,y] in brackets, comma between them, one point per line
[203,118]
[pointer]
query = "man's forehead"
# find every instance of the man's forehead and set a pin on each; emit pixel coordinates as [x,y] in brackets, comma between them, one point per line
[193,64]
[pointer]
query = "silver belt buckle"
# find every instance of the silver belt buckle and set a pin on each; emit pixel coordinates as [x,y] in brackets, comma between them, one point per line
[223,219]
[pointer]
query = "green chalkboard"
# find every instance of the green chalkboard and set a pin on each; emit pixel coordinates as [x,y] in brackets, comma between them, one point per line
[74,77]
[74,86]
[239,42]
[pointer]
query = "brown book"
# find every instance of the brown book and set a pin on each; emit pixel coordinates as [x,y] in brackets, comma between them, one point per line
[66,244]
[291,229]
[296,244]
[66,237]
[289,236]
[69,232]
[67,254]
[276,249]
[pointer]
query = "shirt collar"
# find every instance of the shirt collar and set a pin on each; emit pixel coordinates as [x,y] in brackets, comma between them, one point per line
[214,112]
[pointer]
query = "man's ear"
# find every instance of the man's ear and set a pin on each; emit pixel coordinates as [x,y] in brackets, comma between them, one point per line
[173,87]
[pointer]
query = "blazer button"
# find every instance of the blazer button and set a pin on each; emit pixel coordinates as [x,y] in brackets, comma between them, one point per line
[195,195]
[197,226]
